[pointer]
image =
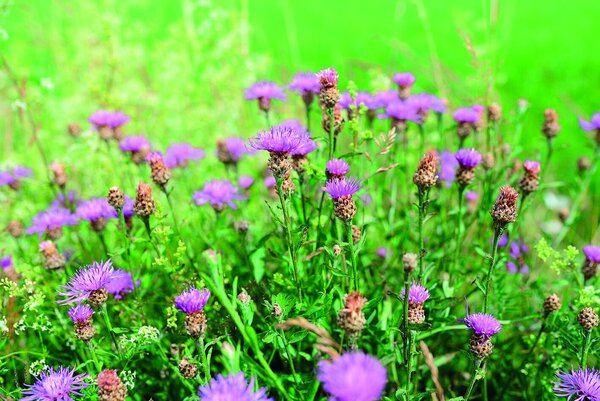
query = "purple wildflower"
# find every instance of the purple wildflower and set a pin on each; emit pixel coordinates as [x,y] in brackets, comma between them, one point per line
[468,158]
[278,139]
[425,102]
[101,118]
[120,283]
[592,253]
[81,313]
[234,387]
[532,167]
[363,98]
[50,220]
[385,98]
[265,90]
[483,324]
[21,172]
[304,82]
[381,252]
[7,178]
[6,262]
[270,182]
[402,111]
[337,168]
[328,78]
[354,376]
[134,144]
[179,154]
[128,207]
[579,385]
[417,294]
[118,119]
[518,251]
[55,385]
[471,196]
[466,115]
[502,241]
[592,125]
[88,279]
[218,193]
[344,186]
[236,148]
[192,300]
[448,168]
[12,178]
[62,201]
[245,182]
[404,79]
[95,209]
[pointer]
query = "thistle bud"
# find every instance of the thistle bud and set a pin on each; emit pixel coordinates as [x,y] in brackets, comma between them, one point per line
[52,258]
[59,174]
[494,112]
[426,175]
[417,295]
[587,318]
[15,228]
[488,161]
[409,260]
[74,129]
[188,369]
[504,210]
[160,173]
[276,310]
[356,234]
[552,303]
[244,298]
[337,250]
[583,164]
[550,128]
[116,198]
[531,178]
[352,318]
[144,205]
[110,386]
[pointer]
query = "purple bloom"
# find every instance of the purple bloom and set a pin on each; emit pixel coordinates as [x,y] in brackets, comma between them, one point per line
[328,78]
[592,253]
[81,313]
[592,125]
[245,182]
[230,388]
[402,111]
[236,147]
[518,251]
[404,79]
[134,144]
[265,90]
[466,115]
[192,300]
[51,219]
[337,167]
[381,252]
[7,178]
[62,201]
[354,376]
[278,139]
[366,199]
[338,187]
[56,385]
[502,241]
[87,280]
[383,99]
[468,158]
[101,118]
[361,98]
[6,262]
[483,324]
[21,172]
[12,178]
[579,385]
[305,82]
[117,119]
[128,207]
[417,294]
[471,196]
[305,144]
[448,167]
[120,283]
[425,102]
[179,154]
[532,167]
[96,209]
[218,193]
[270,182]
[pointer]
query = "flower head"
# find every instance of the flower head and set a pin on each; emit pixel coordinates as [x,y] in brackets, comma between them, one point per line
[425,102]
[179,154]
[100,118]
[265,90]
[466,115]
[518,250]
[305,82]
[354,376]
[448,165]
[245,182]
[417,294]
[468,158]
[483,324]
[88,279]
[531,167]
[592,125]
[50,220]
[120,283]
[579,385]
[382,252]
[504,210]
[362,97]
[218,193]
[56,384]
[134,144]
[337,167]
[230,388]
[278,139]
[402,111]
[471,196]
[235,147]
[81,313]
[385,98]
[6,262]
[192,300]
[404,79]
[95,209]
[344,186]
[328,78]
[592,253]
[118,119]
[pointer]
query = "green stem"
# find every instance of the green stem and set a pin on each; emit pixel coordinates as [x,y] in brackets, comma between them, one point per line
[307,113]
[586,349]
[330,113]
[459,225]
[477,365]
[103,242]
[289,356]
[92,350]
[422,211]
[409,368]
[497,233]
[205,365]
[110,330]
[288,231]
[352,255]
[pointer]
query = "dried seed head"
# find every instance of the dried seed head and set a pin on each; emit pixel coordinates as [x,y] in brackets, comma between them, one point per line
[59,174]
[409,260]
[144,205]
[588,319]
[351,318]
[116,198]
[110,386]
[195,324]
[504,210]
[426,175]
[551,128]
[552,303]
[494,112]
[188,369]
[15,228]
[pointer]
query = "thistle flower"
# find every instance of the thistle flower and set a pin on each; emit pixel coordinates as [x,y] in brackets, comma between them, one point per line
[336,168]
[405,81]
[531,179]
[467,160]
[382,252]
[351,318]
[160,173]
[234,387]
[504,210]
[245,182]
[97,211]
[52,258]
[192,302]
[400,113]
[579,385]
[231,150]
[137,146]
[341,191]
[306,145]
[483,326]
[329,94]
[425,177]
[13,178]
[110,386]
[384,98]
[307,84]
[518,251]
[81,315]
[424,103]
[51,222]
[59,174]
[89,283]
[354,376]
[101,120]
[417,295]
[6,262]
[179,155]
[218,193]
[448,167]
[56,384]
[265,92]
[592,259]
[144,205]
[280,141]
[592,125]
[120,284]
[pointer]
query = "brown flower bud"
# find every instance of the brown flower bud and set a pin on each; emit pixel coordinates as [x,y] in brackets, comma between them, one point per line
[144,205]
[550,128]
[116,198]
[409,260]
[276,310]
[344,208]
[15,228]
[338,120]
[583,164]
[588,319]
[552,303]
[504,210]
[59,174]
[188,369]
[487,161]
[494,112]
[244,298]
[110,386]
[337,250]
[351,318]
[74,129]
[426,175]
[52,258]
[356,234]
[195,324]
[160,173]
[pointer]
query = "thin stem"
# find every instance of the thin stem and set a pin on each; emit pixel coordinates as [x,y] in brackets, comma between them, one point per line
[205,365]
[92,350]
[302,197]
[268,120]
[422,211]
[330,113]
[180,237]
[497,233]
[289,356]
[586,349]
[477,365]
[405,319]
[307,113]
[288,230]
[409,368]
[459,224]
[352,254]
[103,242]
[110,330]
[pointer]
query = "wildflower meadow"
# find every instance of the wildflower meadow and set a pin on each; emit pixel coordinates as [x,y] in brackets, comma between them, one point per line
[193,212]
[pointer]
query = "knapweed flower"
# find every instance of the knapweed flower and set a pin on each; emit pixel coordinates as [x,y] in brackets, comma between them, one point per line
[52,258]
[354,376]
[382,252]
[417,295]
[192,303]
[329,94]
[56,384]
[280,141]
[245,182]
[234,387]
[504,210]
[551,127]
[307,84]
[270,182]
[179,154]
[120,284]
[6,262]
[400,113]
[336,168]
[518,251]
[384,98]
[13,178]
[351,318]
[405,81]
[467,160]
[218,193]
[81,315]
[159,172]
[341,191]
[137,146]
[592,260]
[116,122]
[144,205]
[108,124]
[89,283]
[231,150]
[531,178]
[592,125]
[423,103]
[426,175]
[265,92]
[448,166]
[51,222]
[467,119]
[579,385]
[353,105]
[110,386]
[97,211]
[65,200]
[306,145]
[483,326]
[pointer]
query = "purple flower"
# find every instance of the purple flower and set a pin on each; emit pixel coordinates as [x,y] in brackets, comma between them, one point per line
[236,147]
[305,144]
[134,144]
[7,178]
[471,196]
[270,182]
[518,251]
[305,82]
[483,324]
[328,78]
[381,252]
[120,283]
[305,147]
[425,102]
[96,209]
[532,167]
[404,79]
[245,182]
[6,262]
[592,253]
[402,111]
[218,193]
[383,99]
[62,201]
[448,168]
[466,115]
[502,241]
[128,207]
[81,313]
[354,376]
[21,172]
[579,385]
[88,279]
[118,119]
[278,139]
[230,388]
[101,118]
[265,90]
[56,385]
[192,300]
[179,154]
[366,199]
[337,168]
[468,158]
[12,178]
[417,294]
[363,98]
[592,125]
[338,187]
[51,219]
